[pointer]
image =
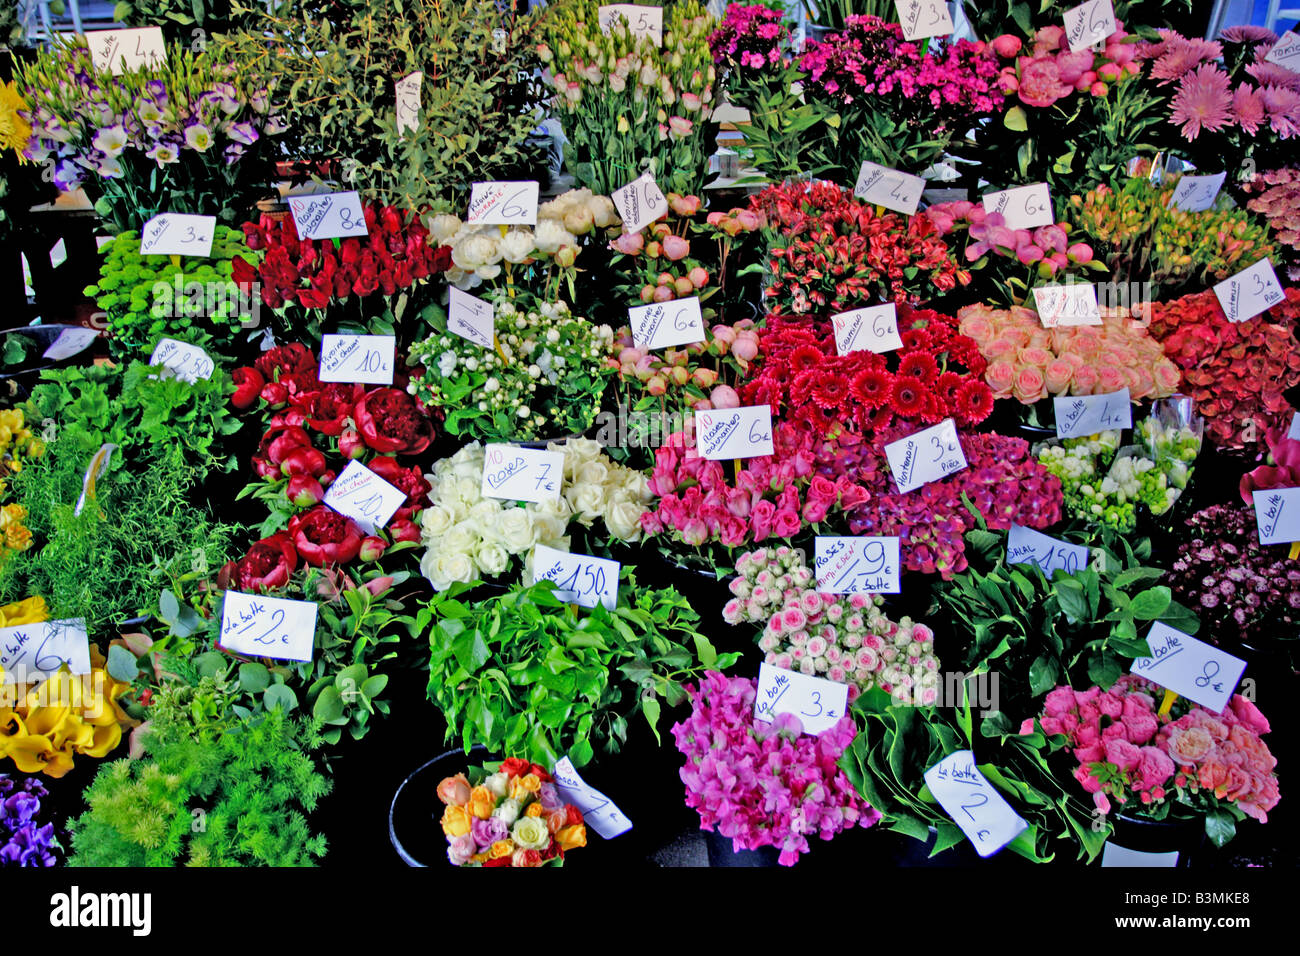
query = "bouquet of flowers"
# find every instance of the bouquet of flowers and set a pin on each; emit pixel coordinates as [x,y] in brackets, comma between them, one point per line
[508,814]
[629,105]
[1235,372]
[1239,588]
[933,376]
[147,297]
[1144,237]
[1226,101]
[1072,118]
[1188,762]
[351,423]
[831,252]
[338,281]
[760,783]
[468,536]
[844,638]
[544,378]
[536,258]
[752,50]
[1029,362]
[1045,252]
[192,136]
[1275,195]
[679,256]
[891,101]
[23,841]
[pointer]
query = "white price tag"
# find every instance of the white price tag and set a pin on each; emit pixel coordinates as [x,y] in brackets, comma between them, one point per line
[1078,415]
[1113,855]
[973,803]
[1027,546]
[69,343]
[260,626]
[1250,292]
[857,565]
[172,233]
[358,493]
[1072,304]
[722,433]
[328,215]
[1196,193]
[1089,23]
[511,473]
[1276,524]
[1193,669]
[640,203]
[503,204]
[471,318]
[120,50]
[929,455]
[99,463]
[408,91]
[1024,207]
[1286,52]
[641,20]
[597,809]
[188,362]
[579,578]
[873,329]
[357,358]
[818,703]
[887,187]
[924,18]
[30,653]
[1293,433]
[663,324]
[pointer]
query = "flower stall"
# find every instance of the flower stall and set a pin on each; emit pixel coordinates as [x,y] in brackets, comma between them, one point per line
[445,463]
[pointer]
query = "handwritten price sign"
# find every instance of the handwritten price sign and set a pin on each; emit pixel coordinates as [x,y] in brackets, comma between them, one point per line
[929,455]
[408,93]
[1089,23]
[1277,513]
[471,318]
[1293,433]
[873,329]
[579,578]
[973,803]
[641,21]
[1196,193]
[171,233]
[70,342]
[503,204]
[1078,415]
[357,358]
[1198,671]
[1073,304]
[723,433]
[1286,52]
[1250,292]
[924,18]
[887,187]
[328,215]
[120,50]
[663,324]
[522,474]
[819,704]
[1027,546]
[188,362]
[358,493]
[640,203]
[857,565]
[260,626]
[30,653]
[597,809]
[1024,207]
